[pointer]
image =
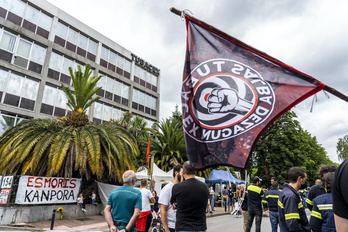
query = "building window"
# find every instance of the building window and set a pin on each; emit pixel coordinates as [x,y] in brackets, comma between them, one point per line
[54,101]
[115,62]
[21,52]
[27,16]
[75,41]
[145,78]
[8,120]
[104,113]
[144,102]
[58,68]
[113,90]
[17,90]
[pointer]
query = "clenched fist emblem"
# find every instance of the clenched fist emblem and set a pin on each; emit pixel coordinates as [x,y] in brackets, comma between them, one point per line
[223,100]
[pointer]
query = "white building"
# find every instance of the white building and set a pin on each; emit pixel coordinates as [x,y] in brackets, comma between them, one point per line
[38,42]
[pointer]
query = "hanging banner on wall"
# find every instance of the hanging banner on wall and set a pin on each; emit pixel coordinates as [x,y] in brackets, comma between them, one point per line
[47,190]
[4,196]
[7,182]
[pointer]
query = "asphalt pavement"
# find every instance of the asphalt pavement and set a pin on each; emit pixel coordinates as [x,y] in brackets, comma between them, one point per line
[217,221]
[89,223]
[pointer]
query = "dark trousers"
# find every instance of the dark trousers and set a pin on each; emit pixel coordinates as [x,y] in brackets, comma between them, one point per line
[148,222]
[257,213]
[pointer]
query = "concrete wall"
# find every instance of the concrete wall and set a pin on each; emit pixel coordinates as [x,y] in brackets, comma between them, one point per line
[13,215]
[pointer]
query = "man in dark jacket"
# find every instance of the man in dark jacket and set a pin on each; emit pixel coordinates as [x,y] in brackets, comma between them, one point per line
[322,217]
[318,189]
[292,215]
[270,204]
[255,195]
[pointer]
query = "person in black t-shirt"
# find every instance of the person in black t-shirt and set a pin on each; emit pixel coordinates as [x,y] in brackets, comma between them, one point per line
[230,200]
[190,198]
[340,197]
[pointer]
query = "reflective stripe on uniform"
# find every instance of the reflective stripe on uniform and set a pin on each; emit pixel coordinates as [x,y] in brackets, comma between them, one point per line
[300,205]
[316,214]
[292,216]
[272,196]
[325,206]
[309,202]
[254,189]
[264,201]
[280,204]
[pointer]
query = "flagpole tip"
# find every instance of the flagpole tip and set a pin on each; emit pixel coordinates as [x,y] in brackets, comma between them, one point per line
[175,11]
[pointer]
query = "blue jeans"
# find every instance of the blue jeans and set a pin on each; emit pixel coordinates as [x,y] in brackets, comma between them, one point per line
[274,218]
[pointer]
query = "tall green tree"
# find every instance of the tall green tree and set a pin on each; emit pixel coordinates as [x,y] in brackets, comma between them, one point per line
[342,148]
[284,145]
[138,127]
[168,142]
[70,146]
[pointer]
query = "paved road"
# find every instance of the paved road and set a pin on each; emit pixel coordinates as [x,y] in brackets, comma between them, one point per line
[231,223]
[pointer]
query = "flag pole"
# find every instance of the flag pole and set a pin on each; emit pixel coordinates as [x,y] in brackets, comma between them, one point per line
[326,88]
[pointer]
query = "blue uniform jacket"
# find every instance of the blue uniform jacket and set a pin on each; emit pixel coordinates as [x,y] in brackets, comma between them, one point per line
[322,217]
[292,214]
[270,200]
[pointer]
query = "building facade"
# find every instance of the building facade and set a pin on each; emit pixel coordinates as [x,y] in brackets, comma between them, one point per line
[38,42]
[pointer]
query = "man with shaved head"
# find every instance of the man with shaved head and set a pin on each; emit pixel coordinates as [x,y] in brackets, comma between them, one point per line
[191,198]
[124,205]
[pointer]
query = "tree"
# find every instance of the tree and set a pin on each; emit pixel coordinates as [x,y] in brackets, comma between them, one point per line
[342,148]
[70,146]
[137,126]
[284,145]
[168,143]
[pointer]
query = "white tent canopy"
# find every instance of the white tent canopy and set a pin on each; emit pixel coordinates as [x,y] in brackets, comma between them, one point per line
[159,176]
[197,177]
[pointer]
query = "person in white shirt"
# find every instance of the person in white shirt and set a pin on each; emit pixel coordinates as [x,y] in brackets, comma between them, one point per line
[80,202]
[145,218]
[168,214]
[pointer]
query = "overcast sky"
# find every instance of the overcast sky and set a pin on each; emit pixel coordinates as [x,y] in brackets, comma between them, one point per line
[309,35]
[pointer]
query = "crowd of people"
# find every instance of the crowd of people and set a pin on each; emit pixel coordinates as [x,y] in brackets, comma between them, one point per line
[184,202]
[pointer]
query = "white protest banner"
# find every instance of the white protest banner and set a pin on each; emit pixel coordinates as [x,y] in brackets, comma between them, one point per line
[0,180]
[47,190]
[4,196]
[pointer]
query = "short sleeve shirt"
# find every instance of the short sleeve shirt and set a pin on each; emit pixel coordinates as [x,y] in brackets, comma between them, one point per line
[123,201]
[146,195]
[340,190]
[164,199]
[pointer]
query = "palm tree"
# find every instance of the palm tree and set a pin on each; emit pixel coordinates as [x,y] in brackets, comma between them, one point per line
[168,143]
[137,126]
[71,145]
